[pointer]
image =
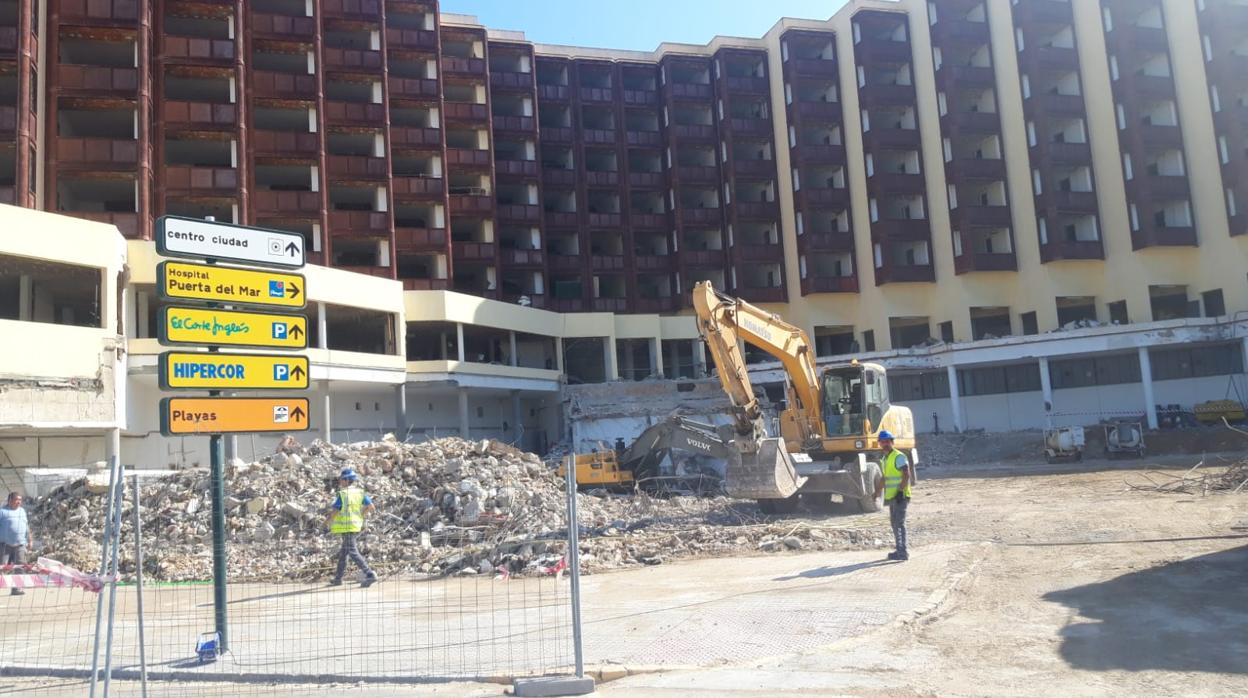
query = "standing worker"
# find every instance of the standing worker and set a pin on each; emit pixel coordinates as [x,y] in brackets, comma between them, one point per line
[894,483]
[14,534]
[347,520]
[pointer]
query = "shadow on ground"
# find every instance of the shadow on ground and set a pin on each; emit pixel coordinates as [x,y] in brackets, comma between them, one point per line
[1189,615]
[823,572]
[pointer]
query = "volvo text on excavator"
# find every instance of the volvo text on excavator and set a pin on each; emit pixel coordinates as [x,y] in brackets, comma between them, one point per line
[828,429]
[649,463]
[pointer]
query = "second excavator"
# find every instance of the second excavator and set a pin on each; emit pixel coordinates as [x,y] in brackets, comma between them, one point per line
[828,431]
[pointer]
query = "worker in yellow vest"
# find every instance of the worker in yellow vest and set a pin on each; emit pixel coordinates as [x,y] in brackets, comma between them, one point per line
[346,520]
[894,484]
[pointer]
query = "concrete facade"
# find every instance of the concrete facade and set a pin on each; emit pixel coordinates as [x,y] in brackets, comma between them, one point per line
[1029,164]
[902,172]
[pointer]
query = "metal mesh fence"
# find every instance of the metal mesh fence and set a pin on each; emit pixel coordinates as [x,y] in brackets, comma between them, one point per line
[406,628]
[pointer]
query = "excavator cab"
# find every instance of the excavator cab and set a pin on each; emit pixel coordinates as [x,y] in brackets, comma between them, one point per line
[855,398]
[843,409]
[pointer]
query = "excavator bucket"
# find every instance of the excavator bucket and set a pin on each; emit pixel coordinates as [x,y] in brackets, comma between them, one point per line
[767,474]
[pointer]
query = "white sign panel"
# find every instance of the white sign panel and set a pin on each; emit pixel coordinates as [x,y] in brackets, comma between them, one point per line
[198,239]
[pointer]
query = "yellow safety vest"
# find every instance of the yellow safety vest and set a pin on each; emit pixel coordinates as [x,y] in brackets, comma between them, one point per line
[892,476]
[350,517]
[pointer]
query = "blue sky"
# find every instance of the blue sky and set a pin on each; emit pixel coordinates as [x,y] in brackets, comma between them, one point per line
[637,24]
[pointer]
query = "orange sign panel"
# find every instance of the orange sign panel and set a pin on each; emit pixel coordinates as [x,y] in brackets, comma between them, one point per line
[186,416]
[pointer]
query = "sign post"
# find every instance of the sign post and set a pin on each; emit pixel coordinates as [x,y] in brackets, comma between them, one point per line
[214,326]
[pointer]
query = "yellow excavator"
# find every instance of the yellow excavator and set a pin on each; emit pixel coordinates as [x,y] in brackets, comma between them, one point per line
[827,443]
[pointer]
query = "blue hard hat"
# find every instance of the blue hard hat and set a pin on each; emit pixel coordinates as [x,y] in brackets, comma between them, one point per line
[885,436]
[348,475]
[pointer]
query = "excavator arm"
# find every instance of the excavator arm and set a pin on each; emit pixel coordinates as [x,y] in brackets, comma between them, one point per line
[762,467]
[722,321]
[646,454]
[674,433]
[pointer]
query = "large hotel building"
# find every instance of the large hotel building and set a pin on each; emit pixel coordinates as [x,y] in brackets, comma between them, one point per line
[904,174]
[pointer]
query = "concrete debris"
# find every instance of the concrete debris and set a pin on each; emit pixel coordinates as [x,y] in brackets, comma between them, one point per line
[443,507]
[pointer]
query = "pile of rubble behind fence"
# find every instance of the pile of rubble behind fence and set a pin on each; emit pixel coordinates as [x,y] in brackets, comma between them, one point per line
[443,506]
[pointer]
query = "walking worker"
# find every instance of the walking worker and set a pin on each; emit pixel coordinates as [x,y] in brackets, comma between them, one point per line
[894,483]
[14,534]
[346,519]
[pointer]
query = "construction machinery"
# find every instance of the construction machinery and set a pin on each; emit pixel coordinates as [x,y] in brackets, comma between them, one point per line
[599,469]
[1124,437]
[828,441]
[1063,444]
[650,462]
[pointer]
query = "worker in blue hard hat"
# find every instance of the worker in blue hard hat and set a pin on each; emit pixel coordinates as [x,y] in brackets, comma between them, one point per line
[346,520]
[894,484]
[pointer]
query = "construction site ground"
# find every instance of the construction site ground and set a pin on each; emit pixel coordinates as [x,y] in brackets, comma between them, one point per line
[1025,579]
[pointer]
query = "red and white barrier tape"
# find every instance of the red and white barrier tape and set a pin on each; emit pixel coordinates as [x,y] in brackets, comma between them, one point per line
[46,573]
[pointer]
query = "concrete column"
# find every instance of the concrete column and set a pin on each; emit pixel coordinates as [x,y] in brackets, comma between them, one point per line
[517,418]
[400,411]
[955,399]
[459,340]
[1046,389]
[656,357]
[515,360]
[613,367]
[1244,356]
[442,345]
[322,327]
[699,358]
[464,429]
[327,426]
[143,312]
[25,298]
[112,445]
[1146,377]
[673,356]
[626,364]
[559,354]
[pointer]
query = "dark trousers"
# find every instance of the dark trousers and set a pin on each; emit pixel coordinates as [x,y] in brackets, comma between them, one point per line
[12,554]
[348,550]
[897,517]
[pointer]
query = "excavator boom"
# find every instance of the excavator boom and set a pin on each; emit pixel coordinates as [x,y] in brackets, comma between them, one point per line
[724,322]
[763,469]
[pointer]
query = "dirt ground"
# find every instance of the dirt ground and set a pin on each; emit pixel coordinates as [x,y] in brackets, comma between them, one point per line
[1079,585]
[1089,587]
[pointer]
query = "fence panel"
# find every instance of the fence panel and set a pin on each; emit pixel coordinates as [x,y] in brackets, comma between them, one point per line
[460,621]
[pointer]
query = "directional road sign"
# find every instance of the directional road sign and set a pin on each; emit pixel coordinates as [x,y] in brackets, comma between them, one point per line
[200,239]
[185,416]
[202,371]
[210,283]
[231,328]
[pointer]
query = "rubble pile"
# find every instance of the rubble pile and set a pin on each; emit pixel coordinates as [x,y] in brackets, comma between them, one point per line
[444,506]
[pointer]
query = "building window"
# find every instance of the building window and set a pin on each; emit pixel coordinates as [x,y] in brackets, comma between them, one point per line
[919,386]
[1170,303]
[1116,370]
[1075,309]
[1178,364]
[1023,378]
[1030,325]
[997,380]
[1072,373]
[868,340]
[1214,305]
[1118,313]
[907,332]
[946,331]
[1087,372]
